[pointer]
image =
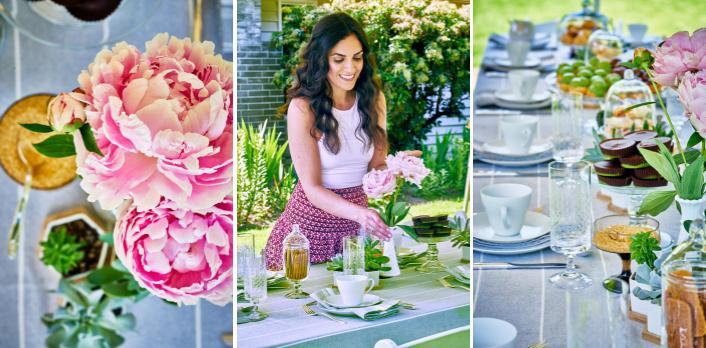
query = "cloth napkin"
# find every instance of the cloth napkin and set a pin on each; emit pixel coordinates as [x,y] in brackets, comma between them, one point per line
[383,310]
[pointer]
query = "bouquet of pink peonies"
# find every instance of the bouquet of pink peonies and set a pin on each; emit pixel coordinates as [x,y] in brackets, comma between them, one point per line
[153,131]
[384,186]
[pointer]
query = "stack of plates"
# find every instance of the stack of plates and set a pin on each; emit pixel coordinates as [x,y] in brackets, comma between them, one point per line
[495,152]
[461,273]
[542,98]
[534,236]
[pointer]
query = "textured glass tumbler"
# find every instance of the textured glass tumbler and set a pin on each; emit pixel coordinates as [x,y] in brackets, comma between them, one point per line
[568,124]
[570,218]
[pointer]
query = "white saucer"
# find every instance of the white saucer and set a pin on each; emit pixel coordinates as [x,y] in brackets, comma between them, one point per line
[458,276]
[515,163]
[536,225]
[530,62]
[523,106]
[497,147]
[514,251]
[335,301]
[508,96]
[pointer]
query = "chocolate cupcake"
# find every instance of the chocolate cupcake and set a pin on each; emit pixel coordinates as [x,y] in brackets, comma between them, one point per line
[618,147]
[609,168]
[615,180]
[421,219]
[647,173]
[651,144]
[649,182]
[634,162]
[641,135]
[90,11]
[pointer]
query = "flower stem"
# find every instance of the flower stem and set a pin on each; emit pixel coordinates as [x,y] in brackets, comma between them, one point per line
[666,114]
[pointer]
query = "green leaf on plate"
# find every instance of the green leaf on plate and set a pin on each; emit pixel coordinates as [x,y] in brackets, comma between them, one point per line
[656,202]
[57,146]
[40,128]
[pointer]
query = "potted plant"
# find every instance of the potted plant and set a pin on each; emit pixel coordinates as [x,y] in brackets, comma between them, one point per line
[461,224]
[74,242]
[374,260]
[646,282]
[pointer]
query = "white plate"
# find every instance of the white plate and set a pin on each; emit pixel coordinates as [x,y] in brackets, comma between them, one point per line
[458,276]
[522,106]
[530,62]
[498,147]
[536,225]
[335,301]
[515,163]
[518,251]
[538,97]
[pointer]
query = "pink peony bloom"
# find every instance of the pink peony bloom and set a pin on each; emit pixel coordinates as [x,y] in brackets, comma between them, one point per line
[692,93]
[163,120]
[179,255]
[677,55]
[65,109]
[410,167]
[379,183]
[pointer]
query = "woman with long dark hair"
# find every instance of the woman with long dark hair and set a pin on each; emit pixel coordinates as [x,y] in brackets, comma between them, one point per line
[336,119]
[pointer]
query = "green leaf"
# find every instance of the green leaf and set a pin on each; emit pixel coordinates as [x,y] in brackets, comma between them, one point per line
[37,127]
[693,180]
[89,140]
[118,289]
[638,105]
[57,146]
[70,128]
[690,155]
[71,293]
[656,202]
[104,275]
[409,230]
[694,139]
[662,165]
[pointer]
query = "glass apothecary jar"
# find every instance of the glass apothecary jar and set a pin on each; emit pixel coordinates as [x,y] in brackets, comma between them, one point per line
[619,119]
[603,45]
[576,28]
[295,253]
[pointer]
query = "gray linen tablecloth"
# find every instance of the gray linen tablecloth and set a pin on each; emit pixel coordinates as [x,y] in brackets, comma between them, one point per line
[27,68]
[438,309]
[524,297]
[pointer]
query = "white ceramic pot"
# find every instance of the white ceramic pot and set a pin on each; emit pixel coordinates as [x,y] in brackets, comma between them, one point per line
[654,318]
[637,305]
[465,254]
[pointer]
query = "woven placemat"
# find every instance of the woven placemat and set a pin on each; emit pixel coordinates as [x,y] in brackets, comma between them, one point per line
[49,173]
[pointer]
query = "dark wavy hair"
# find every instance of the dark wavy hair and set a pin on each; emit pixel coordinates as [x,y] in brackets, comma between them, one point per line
[312,84]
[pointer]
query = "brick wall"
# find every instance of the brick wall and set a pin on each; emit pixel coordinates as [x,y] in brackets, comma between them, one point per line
[257,97]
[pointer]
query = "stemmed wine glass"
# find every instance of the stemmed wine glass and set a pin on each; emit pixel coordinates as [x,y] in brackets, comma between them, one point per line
[256,284]
[570,216]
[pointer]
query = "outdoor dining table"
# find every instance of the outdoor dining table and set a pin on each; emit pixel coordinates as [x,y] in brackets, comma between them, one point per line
[525,298]
[27,68]
[437,309]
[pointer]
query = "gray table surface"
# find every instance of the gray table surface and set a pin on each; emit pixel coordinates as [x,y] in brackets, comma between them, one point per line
[524,297]
[28,68]
[438,309]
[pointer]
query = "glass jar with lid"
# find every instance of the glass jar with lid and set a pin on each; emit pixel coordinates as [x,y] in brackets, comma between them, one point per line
[576,28]
[295,253]
[619,117]
[603,45]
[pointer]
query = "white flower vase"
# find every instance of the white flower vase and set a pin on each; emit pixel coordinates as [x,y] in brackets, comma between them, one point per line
[691,209]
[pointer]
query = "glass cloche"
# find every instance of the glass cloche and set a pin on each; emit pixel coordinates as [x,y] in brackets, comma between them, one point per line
[576,28]
[603,45]
[620,96]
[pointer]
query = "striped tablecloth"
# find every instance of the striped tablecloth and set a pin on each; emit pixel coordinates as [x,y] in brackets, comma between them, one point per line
[438,309]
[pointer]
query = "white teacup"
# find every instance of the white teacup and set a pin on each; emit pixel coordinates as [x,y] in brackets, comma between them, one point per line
[517,51]
[523,83]
[493,333]
[353,288]
[518,132]
[637,32]
[506,206]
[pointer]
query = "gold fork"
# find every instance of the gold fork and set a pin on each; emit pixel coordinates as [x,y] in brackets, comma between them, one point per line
[447,284]
[539,344]
[312,312]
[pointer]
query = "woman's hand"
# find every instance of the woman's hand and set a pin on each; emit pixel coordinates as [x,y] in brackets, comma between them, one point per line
[415,153]
[371,222]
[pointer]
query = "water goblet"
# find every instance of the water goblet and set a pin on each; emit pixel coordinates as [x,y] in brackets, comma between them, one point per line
[570,219]
[256,284]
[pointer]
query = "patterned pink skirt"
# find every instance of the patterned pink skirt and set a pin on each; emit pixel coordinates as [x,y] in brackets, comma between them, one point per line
[324,231]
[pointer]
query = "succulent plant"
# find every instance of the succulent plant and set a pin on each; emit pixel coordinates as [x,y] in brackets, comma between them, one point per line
[61,251]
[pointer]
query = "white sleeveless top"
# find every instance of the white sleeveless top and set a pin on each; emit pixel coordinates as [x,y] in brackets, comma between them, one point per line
[350,164]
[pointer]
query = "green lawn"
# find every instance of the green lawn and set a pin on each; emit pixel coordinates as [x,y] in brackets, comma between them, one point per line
[427,208]
[664,17]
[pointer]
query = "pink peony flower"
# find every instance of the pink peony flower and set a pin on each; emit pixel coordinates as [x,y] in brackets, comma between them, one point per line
[410,167]
[65,109]
[179,255]
[692,93]
[163,120]
[677,55]
[379,183]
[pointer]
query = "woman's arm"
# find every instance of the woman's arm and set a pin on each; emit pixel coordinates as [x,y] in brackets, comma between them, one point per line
[378,160]
[305,157]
